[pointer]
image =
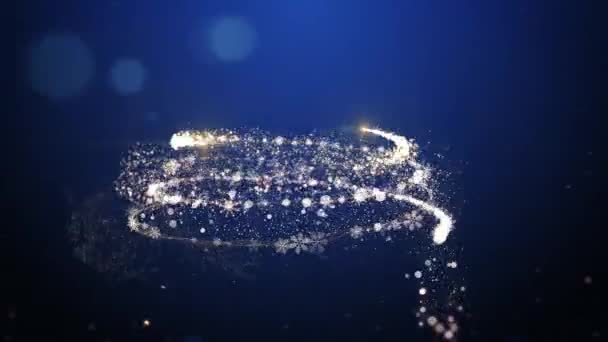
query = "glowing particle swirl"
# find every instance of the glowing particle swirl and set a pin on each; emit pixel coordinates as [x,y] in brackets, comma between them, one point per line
[227,189]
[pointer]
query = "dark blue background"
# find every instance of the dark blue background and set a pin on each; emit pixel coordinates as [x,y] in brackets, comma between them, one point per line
[511,90]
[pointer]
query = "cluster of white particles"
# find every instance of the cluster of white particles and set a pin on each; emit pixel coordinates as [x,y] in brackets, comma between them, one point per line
[249,189]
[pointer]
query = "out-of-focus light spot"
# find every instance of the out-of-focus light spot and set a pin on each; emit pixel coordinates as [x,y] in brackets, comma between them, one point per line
[232,39]
[127,76]
[151,116]
[60,66]
[588,280]
[146,323]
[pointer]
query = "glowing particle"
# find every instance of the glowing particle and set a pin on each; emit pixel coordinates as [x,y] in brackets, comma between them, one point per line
[285,202]
[360,195]
[248,204]
[325,200]
[379,195]
[202,230]
[232,194]
[196,203]
[377,227]
[420,176]
[356,232]
[172,223]
[146,323]
[228,205]
[418,274]
[306,202]
[439,328]
[422,291]
[588,280]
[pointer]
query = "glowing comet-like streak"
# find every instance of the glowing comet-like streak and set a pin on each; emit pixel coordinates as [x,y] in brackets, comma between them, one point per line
[400,154]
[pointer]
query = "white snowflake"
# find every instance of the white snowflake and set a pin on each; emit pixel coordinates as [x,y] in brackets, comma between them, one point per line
[154,233]
[356,232]
[413,220]
[132,221]
[300,243]
[394,225]
[318,240]
[282,246]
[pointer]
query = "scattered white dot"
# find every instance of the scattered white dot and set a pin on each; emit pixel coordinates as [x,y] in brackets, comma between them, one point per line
[325,200]
[306,202]
[248,204]
[360,195]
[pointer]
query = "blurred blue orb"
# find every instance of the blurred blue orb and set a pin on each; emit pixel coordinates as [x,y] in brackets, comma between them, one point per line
[60,66]
[127,76]
[232,39]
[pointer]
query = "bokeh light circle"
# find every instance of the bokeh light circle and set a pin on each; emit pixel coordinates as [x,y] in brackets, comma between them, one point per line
[232,39]
[127,76]
[60,66]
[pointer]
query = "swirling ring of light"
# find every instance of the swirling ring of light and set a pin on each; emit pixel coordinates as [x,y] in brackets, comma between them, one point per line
[223,189]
